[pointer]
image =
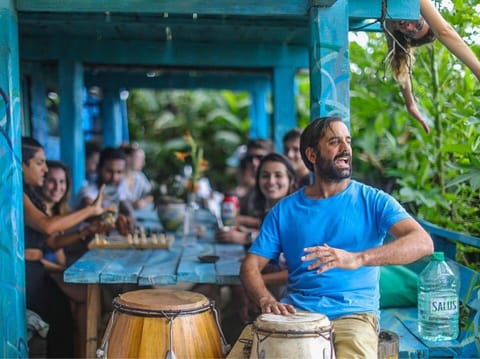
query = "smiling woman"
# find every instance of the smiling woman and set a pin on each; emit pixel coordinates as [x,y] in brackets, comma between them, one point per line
[43,295]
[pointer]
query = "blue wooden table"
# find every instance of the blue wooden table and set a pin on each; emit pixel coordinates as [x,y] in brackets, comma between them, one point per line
[146,267]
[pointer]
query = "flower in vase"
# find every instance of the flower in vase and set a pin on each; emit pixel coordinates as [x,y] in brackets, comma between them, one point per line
[194,158]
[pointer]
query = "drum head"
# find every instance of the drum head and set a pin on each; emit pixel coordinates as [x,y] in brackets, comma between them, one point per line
[298,322]
[162,300]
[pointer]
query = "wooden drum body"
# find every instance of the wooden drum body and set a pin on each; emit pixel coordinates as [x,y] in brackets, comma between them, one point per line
[159,323]
[300,335]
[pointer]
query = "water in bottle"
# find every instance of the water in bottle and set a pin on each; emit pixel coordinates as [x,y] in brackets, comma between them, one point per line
[438,305]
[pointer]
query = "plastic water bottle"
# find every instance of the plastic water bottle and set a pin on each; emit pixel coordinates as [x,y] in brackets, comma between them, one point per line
[230,208]
[438,305]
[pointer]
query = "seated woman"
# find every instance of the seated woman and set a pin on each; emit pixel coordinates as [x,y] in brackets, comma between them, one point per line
[56,194]
[402,36]
[43,295]
[275,179]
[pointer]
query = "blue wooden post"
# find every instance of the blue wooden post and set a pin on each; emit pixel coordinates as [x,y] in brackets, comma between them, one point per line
[284,111]
[72,147]
[12,268]
[329,62]
[259,119]
[39,108]
[124,117]
[112,119]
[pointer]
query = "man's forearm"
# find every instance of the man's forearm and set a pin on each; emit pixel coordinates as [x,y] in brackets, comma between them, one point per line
[254,285]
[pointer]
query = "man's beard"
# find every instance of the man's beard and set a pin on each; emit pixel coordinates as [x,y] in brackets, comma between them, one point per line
[327,169]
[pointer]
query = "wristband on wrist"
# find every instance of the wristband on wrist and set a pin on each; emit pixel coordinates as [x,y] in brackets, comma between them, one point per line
[249,237]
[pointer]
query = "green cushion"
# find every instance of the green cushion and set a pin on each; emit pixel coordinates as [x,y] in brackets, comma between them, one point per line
[398,287]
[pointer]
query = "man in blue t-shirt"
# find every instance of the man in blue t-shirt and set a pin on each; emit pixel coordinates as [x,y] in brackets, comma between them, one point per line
[331,234]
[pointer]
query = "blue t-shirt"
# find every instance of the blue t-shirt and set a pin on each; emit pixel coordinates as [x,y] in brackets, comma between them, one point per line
[354,220]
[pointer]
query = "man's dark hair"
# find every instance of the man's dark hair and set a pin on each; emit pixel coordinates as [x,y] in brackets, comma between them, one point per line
[110,153]
[312,134]
[293,134]
[262,143]
[91,148]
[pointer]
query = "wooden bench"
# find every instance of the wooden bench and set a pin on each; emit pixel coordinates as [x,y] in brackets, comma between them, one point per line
[403,321]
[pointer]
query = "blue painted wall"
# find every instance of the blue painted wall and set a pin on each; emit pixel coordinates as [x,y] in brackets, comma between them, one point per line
[12,271]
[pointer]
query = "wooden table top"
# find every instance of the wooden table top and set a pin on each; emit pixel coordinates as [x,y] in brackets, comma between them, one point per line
[161,266]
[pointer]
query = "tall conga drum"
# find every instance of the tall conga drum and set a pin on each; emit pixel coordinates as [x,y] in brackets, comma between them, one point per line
[162,323]
[300,335]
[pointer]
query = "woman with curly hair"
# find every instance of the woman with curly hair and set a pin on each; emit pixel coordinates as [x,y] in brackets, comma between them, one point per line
[403,36]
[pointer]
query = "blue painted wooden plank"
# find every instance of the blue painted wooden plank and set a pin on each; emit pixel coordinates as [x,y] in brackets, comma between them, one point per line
[148,218]
[449,234]
[70,78]
[12,267]
[89,267]
[228,266]
[144,52]
[182,80]
[190,269]
[161,267]
[359,8]
[222,7]
[448,348]
[111,117]
[126,267]
[284,111]
[372,9]
[329,62]
[410,346]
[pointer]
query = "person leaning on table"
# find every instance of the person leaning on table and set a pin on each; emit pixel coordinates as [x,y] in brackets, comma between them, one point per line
[331,233]
[43,295]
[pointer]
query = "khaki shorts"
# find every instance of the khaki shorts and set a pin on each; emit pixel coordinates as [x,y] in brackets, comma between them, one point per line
[356,336]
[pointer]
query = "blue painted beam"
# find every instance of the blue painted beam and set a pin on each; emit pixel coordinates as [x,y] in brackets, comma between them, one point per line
[258,85]
[38,106]
[357,8]
[284,111]
[181,80]
[329,62]
[72,147]
[372,9]
[112,123]
[142,52]
[13,337]
[259,118]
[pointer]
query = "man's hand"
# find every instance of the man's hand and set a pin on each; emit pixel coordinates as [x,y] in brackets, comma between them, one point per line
[270,305]
[231,235]
[124,225]
[100,226]
[327,258]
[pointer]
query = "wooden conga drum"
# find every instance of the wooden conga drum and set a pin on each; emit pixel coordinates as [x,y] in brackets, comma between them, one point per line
[300,335]
[162,323]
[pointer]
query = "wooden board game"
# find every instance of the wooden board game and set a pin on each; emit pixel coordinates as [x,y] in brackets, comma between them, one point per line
[135,241]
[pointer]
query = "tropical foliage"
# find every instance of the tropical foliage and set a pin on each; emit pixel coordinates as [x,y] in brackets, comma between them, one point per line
[436,175]
[218,121]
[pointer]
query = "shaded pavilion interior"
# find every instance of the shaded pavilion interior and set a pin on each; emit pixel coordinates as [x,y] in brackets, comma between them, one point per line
[253,46]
